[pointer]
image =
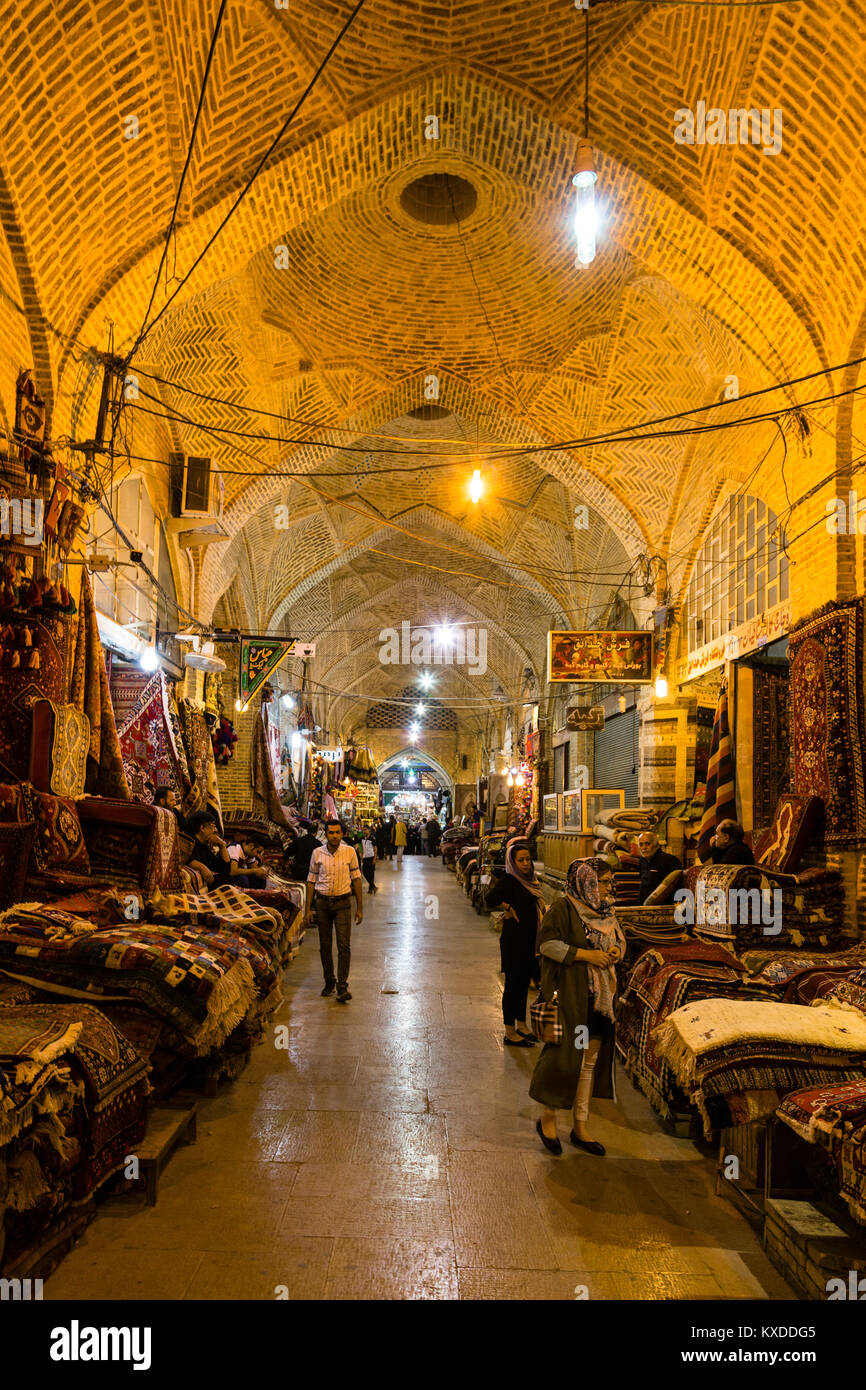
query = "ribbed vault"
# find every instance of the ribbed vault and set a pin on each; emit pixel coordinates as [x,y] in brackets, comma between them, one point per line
[330,304]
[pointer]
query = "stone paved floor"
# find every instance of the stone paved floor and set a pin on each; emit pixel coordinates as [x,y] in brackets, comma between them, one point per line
[390,1152]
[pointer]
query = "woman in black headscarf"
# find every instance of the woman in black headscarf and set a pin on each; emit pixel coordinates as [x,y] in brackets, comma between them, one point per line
[581,943]
[520,892]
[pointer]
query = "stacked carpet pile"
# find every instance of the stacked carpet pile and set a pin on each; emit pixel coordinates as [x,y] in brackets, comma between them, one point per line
[804,912]
[834,1117]
[654,925]
[616,831]
[204,986]
[231,910]
[736,1059]
[789,976]
[664,979]
[73,1096]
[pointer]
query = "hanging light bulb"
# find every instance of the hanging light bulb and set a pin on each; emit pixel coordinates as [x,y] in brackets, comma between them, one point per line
[661,687]
[623,704]
[238,704]
[426,680]
[476,487]
[585,221]
[509,781]
[419,709]
[520,780]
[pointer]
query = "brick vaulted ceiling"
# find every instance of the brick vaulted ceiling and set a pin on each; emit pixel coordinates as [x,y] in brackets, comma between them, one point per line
[712,261]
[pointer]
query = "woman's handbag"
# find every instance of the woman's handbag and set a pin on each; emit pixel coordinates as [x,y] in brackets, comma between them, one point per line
[544,1018]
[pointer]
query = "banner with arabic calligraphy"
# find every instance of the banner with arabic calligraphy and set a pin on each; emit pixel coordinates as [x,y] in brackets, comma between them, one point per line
[258,660]
[606,658]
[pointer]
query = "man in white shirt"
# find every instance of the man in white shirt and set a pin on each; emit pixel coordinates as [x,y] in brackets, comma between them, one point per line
[333,877]
[368,865]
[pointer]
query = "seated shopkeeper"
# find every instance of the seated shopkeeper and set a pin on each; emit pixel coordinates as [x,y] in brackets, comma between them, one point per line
[165,798]
[211,857]
[655,863]
[728,845]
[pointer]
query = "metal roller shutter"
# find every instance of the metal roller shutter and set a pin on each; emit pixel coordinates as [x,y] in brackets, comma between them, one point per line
[616,755]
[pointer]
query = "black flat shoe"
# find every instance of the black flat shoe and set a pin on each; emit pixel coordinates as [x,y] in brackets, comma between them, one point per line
[592,1146]
[553,1145]
[329,989]
[343,997]
[530,1038]
[522,1042]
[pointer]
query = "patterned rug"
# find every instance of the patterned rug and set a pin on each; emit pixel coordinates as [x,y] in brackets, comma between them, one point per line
[113,1074]
[719,802]
[773,972]
[795,822]
[266,802]
[834,1116]
[20,688]
[827,716]
[26,1038]
[771,741]
[704,719]
[145,744]
[204,792]
[58,749]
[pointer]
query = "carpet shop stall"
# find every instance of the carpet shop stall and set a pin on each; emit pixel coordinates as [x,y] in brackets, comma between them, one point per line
[746,1021]
[122,978]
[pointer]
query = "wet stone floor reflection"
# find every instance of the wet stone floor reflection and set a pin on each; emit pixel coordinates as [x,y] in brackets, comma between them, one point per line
[388,1151]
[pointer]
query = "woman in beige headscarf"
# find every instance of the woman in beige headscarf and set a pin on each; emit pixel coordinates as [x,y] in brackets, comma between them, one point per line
[581,943]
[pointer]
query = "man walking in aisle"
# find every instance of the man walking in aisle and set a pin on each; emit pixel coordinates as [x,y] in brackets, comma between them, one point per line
[368,862]
[334,876]
[400,841]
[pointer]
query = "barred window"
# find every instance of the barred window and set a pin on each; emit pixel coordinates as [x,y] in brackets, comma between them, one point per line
[741,571]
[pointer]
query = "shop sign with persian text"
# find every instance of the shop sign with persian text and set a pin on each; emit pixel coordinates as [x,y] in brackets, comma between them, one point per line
[740,641]
[602,657]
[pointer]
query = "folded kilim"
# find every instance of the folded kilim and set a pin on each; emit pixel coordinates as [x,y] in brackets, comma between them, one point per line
[228,908]
[726,1046]
[771,972]
[113,1077]
[201,987]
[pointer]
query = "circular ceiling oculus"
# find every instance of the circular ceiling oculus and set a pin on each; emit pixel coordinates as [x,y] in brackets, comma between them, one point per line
[439,200]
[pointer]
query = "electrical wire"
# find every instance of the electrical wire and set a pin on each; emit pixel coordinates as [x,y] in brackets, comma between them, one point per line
[519,451]
[259,166]
[512,453]
[190,146]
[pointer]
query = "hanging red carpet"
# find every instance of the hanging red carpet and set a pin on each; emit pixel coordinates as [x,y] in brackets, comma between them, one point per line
[827,724]
[719,802]
[144,741]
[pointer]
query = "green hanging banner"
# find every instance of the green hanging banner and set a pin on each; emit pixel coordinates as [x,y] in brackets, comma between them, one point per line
[258,660]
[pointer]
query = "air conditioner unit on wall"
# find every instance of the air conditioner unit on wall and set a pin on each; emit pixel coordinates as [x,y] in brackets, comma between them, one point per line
[196,500]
